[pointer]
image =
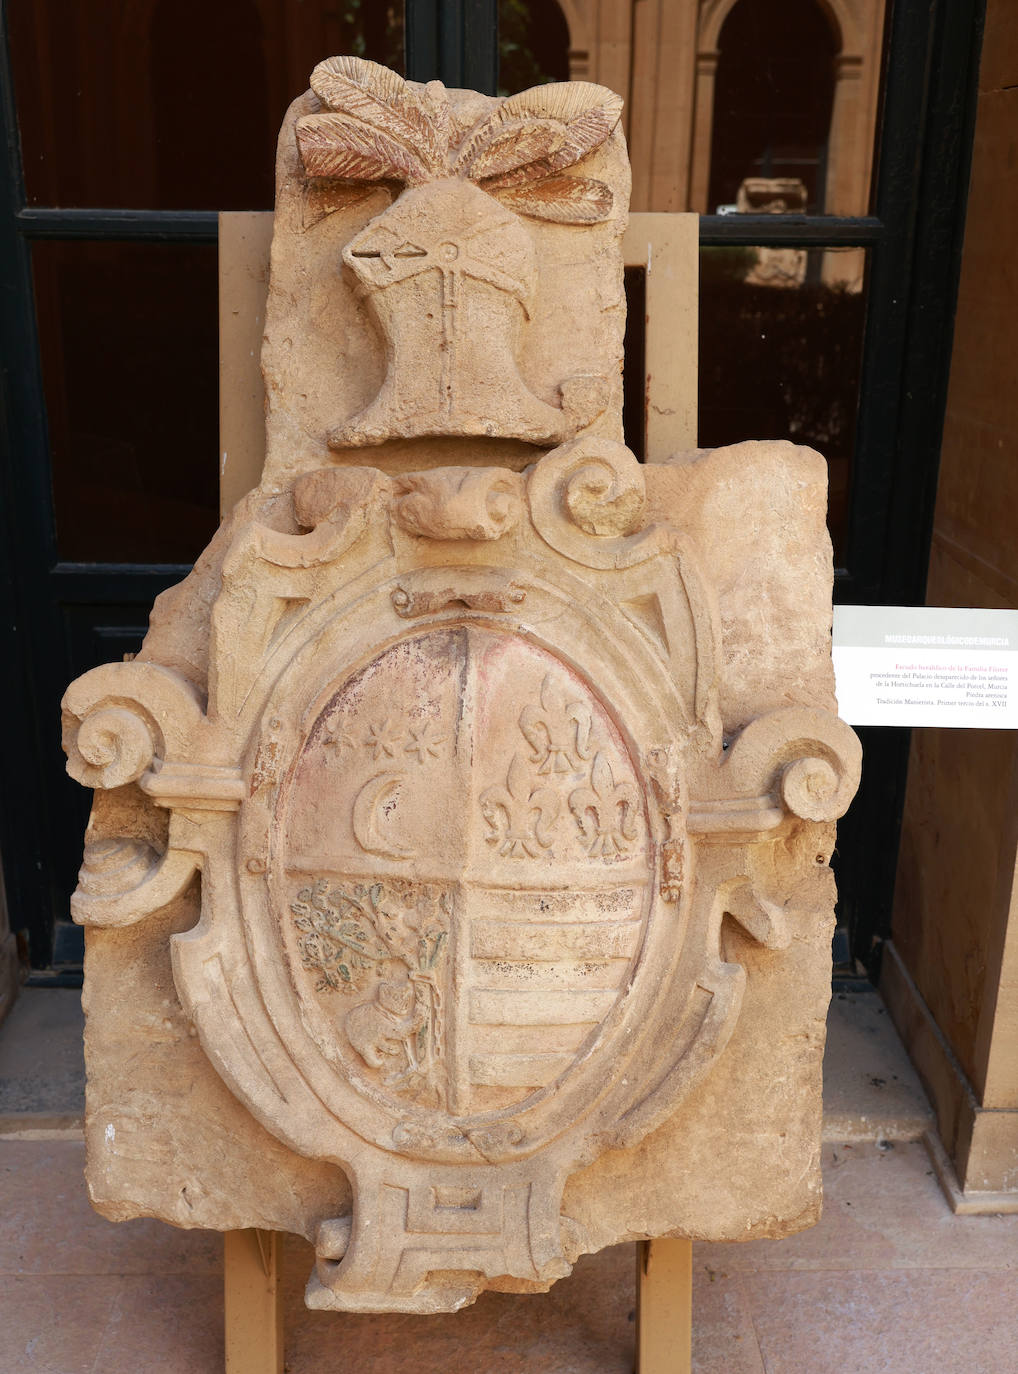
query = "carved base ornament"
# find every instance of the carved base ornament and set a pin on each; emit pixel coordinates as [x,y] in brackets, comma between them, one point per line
[450,814]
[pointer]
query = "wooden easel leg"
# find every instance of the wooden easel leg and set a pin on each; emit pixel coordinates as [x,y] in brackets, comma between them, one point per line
[664,1306]
[253,1303]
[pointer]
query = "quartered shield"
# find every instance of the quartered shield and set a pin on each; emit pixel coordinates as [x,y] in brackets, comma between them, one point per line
[463,872]
[467,829]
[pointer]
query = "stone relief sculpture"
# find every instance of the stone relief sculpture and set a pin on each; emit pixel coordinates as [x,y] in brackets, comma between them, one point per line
[449,268]
[460,846]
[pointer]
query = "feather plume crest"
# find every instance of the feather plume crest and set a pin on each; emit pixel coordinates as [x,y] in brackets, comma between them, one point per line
[586,115]
[376,127]
[334,145]
[380,98]
[512,146]
[563,200]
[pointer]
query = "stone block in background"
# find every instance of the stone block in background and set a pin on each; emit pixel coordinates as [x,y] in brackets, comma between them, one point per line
[457,882]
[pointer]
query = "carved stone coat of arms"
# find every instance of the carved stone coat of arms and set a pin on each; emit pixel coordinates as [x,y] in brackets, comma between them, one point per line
[458,818]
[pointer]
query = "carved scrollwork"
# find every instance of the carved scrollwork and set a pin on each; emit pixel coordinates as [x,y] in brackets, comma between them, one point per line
[122,880]
[430,590]
[112,866]
[815,790]
[119,718]
[811,758]
[112,746]
[460,503]
[332,504]
[602,495]
[587,500]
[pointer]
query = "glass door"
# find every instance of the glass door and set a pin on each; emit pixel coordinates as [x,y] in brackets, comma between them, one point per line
[824,145]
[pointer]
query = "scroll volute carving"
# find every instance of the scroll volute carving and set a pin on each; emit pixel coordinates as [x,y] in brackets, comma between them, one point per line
[456,793]
[119,719]
[467,820]
[448,270]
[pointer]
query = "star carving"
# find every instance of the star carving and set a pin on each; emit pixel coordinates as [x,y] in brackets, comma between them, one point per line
[335,737]
[339,740]
[383,740]
[423,743]
[388,740]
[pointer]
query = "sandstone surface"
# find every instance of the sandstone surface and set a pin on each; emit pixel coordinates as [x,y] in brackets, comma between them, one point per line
[457,886]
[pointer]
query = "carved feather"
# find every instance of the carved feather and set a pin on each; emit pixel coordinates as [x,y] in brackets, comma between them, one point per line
[494,150]
[564,200]
[381,99]
[330,79]
[586,115]
[335,145]
[564,100]
[325,198]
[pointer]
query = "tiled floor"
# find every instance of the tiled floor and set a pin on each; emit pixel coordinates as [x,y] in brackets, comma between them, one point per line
[42,1067]
[889,1281]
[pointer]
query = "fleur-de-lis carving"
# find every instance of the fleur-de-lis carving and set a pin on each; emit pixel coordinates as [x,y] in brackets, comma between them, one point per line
[558,730]
[605,811]
[522,818]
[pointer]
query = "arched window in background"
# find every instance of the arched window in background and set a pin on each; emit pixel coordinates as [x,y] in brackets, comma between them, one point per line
[133,121]
[781,328]
[773,99]
[533,44]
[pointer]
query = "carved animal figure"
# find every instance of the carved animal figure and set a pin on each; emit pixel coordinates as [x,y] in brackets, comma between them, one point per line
[385,1029]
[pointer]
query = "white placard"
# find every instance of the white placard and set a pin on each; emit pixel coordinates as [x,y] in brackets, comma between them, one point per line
[927,665]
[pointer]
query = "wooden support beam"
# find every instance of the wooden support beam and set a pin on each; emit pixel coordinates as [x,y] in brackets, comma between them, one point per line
[664,1306]
[666,247]
[252,1295]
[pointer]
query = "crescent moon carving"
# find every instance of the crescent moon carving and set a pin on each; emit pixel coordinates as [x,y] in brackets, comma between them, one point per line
[372,796]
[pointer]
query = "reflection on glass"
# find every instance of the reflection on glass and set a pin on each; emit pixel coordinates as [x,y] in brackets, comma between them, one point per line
[793,91]
[533,44]
[128,335]
[634,386]
[781,334]
[173,104]
[773,99]
[720,93]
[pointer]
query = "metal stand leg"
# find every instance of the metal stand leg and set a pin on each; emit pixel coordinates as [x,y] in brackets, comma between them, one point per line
[664,1306]
[252,1295]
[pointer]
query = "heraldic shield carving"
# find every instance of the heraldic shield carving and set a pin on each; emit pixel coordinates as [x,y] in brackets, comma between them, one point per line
[455,782]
